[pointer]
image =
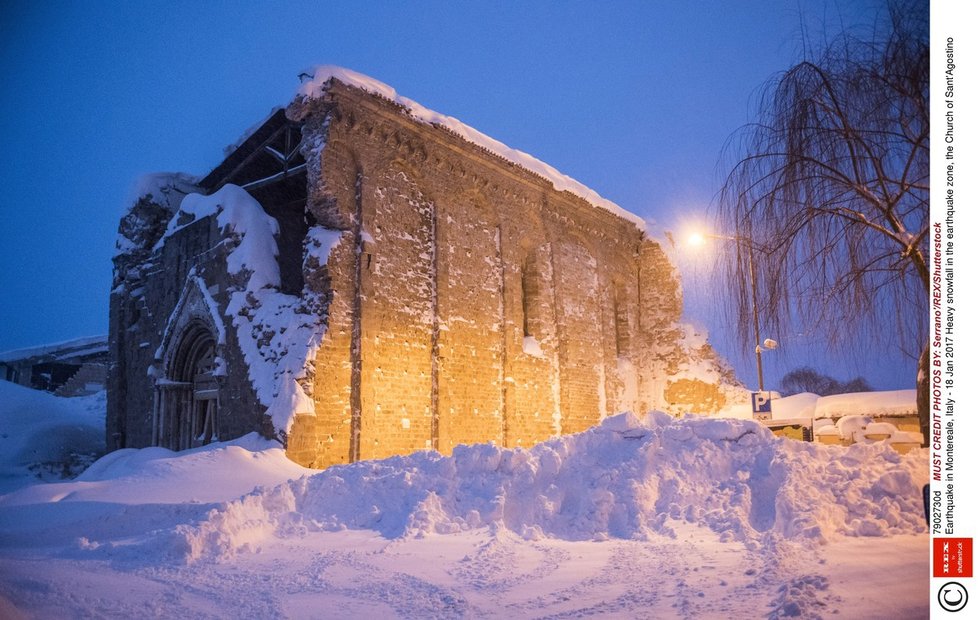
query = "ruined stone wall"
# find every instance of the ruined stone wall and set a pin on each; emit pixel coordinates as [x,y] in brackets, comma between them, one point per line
[681,372]
[473,302]
[147,288]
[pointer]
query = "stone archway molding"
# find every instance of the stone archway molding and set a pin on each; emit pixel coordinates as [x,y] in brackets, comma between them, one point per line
[188,369]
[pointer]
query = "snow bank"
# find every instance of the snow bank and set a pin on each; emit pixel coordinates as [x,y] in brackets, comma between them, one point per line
[213,473]
[46,437]
[628,478]
[321,76]
[133,505]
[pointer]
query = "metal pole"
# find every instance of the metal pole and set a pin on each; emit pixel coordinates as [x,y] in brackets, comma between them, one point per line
[757,320]
[753,289]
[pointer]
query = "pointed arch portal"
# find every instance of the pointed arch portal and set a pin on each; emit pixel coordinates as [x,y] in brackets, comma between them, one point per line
[187,401]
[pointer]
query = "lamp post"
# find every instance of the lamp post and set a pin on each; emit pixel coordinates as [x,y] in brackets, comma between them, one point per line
[700,239]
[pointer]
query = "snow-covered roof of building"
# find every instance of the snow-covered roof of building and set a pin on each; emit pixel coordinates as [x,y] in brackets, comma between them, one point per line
[321,76]
[59,350]
[891,403]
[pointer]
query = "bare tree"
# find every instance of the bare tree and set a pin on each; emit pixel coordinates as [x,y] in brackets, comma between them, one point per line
[831,189]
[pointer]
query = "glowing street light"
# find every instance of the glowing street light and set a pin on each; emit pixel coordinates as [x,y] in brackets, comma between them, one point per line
[697,239]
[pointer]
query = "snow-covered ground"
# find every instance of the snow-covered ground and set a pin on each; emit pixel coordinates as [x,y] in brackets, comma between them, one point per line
[639,517]
[43,437]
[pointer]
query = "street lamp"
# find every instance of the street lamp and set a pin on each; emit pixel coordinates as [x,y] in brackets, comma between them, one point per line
[698,239]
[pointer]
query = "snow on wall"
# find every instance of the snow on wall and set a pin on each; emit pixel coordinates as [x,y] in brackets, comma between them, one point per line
[630,478]
[192,280]
[694,366]
[166,189]
[321,75]
[238,215]
[656,231]
[320,242]
[278,340]
[278,333]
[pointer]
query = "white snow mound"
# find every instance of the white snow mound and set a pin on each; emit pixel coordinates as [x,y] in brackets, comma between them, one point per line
[628,478]
[46,437]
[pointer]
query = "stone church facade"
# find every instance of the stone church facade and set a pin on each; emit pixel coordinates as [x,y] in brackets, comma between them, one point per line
[431,292]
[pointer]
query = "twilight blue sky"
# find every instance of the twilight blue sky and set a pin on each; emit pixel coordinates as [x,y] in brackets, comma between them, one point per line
[634,99]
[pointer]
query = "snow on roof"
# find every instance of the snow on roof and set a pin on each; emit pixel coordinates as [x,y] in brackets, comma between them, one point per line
[321,75]
[892,402]
[795,406]
[89,345]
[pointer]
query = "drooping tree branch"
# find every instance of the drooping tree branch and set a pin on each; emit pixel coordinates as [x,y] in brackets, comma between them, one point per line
[832,182]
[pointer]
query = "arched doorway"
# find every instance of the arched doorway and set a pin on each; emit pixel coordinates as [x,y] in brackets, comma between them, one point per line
[187,396]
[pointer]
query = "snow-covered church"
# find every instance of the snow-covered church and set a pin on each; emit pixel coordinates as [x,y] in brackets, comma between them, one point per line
[363,277]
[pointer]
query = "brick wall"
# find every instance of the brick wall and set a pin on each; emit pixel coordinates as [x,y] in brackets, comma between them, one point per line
[474,302]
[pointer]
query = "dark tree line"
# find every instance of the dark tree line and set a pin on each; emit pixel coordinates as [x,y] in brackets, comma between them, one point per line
[807,379]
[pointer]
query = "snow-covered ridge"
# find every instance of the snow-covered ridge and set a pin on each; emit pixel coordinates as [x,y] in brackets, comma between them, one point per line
[322,74]
[629,478]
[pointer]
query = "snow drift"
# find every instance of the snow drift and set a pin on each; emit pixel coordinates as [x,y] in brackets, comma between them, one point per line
[628,478]
[46,437]
[111,542]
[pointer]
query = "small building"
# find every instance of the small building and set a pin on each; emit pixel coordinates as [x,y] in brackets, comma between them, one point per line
[73,368]
[363,277]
